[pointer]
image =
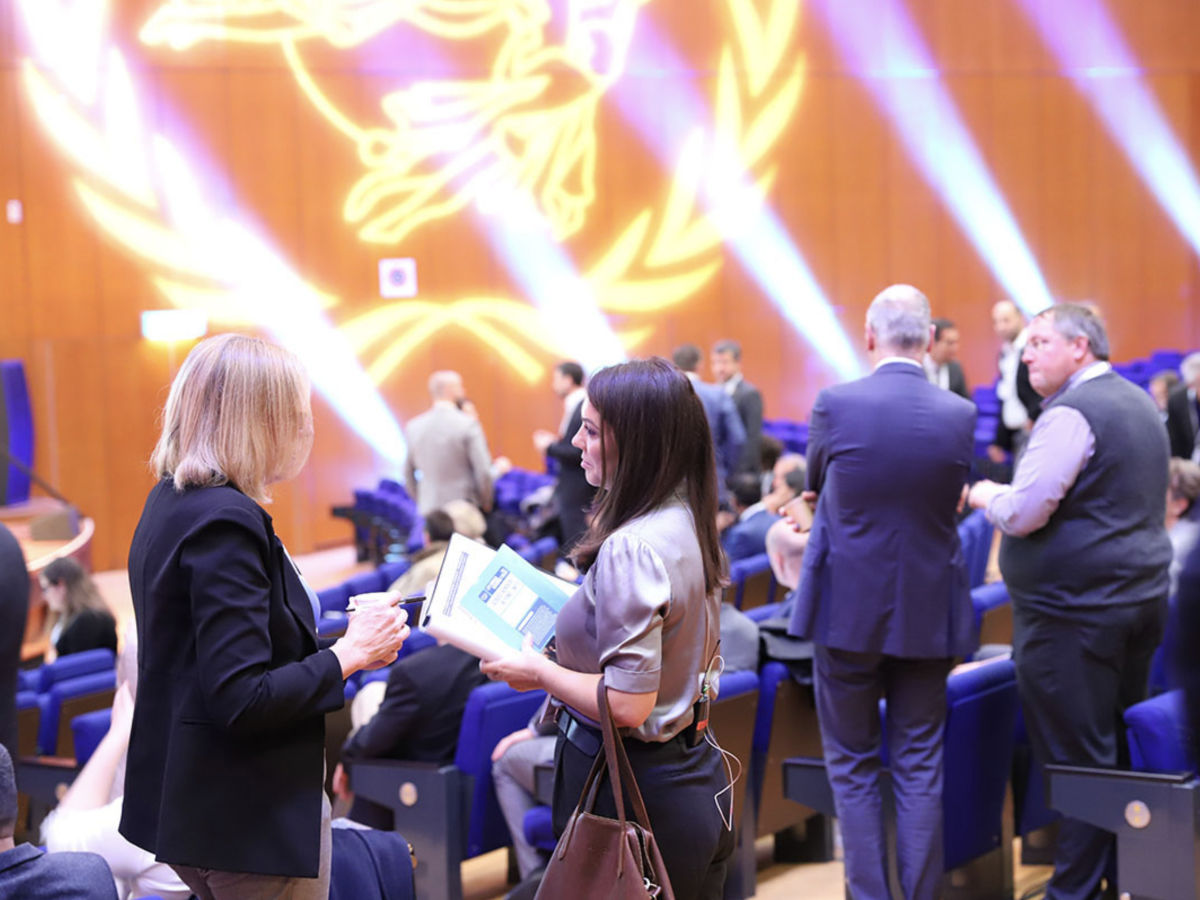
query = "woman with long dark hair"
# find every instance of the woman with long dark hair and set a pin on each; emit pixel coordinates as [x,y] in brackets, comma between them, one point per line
[646,618]
[81,619]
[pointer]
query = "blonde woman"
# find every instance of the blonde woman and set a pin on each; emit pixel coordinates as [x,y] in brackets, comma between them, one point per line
[226,754]
[81,620]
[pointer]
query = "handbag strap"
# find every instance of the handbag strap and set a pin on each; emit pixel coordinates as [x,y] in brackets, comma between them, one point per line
[620,771]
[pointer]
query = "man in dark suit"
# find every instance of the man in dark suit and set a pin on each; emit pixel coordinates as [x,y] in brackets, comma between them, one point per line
[884,595]
[418,720]
[1183,411]
[572,493]
[747,536]
[728,433]
[941,362]
[14,607]
[1019,402]
[726,364]
[25,871]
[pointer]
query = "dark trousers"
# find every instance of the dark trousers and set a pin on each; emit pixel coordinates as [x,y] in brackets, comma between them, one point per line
[1077,672]
[848,688]
[678,783]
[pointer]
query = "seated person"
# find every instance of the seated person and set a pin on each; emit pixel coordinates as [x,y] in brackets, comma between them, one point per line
[771,449]
[747,535]
[418,720]
[787,482]
[427,561]
[787,540]
[1183,513]
[80,619]
[87,816]
[25,871]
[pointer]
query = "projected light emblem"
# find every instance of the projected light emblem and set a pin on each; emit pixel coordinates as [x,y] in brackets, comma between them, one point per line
[522,139]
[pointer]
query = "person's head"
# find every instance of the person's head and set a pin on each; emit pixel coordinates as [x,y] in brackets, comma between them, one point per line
[1007,321]
[746,489]
[8,800]
[68,589]
[1189,370]
[686,357]
[898,323]
[466,518]
[725,360]
[1183,487]
[239,412]
[770,450]
[566,377]
[446,385]
[645,437]
[945,342]
[1062,340]
[1161,385]
[788,462]
[438,525]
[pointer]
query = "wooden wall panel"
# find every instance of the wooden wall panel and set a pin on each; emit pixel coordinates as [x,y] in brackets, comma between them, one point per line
[846,193]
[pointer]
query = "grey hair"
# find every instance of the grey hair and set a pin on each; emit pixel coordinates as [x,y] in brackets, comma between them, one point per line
[440,381]
[1189,369]
[899,318]
[1073,320]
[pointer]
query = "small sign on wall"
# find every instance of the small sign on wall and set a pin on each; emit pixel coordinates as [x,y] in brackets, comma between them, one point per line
[397,278]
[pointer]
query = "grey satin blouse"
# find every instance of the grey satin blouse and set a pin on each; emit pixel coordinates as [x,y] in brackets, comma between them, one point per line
[642,617]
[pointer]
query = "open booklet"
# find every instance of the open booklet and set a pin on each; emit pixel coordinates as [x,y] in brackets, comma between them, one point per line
[486,601]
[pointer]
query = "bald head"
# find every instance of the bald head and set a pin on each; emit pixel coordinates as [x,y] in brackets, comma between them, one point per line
[1007,321]
[446,385]
[898,322]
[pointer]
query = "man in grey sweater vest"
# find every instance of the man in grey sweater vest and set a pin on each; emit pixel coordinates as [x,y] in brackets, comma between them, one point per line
[1085,556]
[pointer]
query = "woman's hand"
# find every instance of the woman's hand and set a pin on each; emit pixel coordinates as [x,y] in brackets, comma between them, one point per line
[373,638]
[508,740]
[524,671]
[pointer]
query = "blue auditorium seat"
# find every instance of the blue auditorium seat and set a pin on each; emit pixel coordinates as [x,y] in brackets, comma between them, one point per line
[29,679]
[975,536]
[73,666]
[1158,735]
[89,729]
[453,814]
[67,699]
[993,613]
[393,570]
[366,583]
[28,717]
[751,582]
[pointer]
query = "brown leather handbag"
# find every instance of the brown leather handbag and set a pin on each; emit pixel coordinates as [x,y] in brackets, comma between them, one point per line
[598,858]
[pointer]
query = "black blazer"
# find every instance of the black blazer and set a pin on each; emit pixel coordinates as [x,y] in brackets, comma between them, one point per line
[14,607]
[90,629]
[958,379]
[1181,422]
[749,402]
[572,493]
[226,758]
[1030,399]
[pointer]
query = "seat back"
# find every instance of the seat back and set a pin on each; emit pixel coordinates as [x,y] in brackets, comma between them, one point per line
[993,613]
[752,582]
[975,535]
[64,701]
[75,665]
[29,714]
[1158,735]
[981,713]
[731,720]
[393,570]
[88,730]
[365,583]
[785,726]
[492,712]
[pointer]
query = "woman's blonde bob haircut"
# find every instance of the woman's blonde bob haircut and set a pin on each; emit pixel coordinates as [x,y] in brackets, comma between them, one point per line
[235,415]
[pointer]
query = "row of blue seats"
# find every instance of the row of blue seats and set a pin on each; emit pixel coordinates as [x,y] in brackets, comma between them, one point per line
[50,696]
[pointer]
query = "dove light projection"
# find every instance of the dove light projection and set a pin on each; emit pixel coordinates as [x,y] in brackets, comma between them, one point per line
[719,165]
[882,46]
[1092,51]
[145,192]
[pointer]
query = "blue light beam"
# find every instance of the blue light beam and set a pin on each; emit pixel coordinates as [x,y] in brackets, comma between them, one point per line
[1094,55]
[884,49]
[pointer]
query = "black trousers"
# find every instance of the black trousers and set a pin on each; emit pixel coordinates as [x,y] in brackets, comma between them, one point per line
[678,784]
[1077,672]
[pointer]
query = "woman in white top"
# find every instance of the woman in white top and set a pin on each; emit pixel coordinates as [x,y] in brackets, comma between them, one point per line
[646,619]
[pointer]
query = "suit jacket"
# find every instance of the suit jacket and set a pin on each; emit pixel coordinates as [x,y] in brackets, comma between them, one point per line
[958,379]
[884,572]
[447,447]
[227,754]
[91,629]
[728,432]
[572,493]
[25,871]
[749,403]
[1030,399]
[749,537]
[1182,421]
[14,607]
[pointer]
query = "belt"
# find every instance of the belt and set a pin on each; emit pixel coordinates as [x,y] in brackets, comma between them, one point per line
[587,740]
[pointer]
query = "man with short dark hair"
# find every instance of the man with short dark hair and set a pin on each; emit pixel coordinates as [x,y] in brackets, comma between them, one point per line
[883,595]
[726,365]
[747,536]
[572,494]
[1085,556]
[941,362]
[1019,403]
[25,871]
[728,433]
